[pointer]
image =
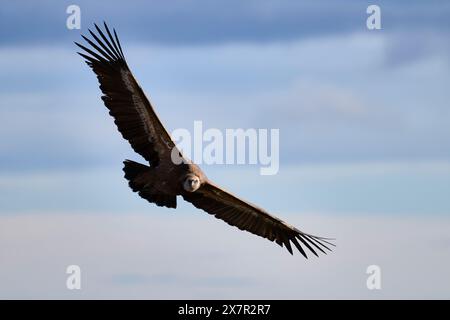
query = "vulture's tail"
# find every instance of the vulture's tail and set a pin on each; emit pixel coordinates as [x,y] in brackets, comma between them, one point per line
[133,171]
[140,180]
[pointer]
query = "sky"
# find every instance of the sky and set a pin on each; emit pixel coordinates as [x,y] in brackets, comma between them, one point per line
[364,149]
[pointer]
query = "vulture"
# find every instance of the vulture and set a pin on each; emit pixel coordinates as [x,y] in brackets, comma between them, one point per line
[162,181]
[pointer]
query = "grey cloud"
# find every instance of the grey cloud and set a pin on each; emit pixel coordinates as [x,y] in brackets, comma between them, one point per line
[410,46]
[182,22]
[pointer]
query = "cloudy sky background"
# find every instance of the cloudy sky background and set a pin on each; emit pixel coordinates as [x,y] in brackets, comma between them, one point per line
[364,149]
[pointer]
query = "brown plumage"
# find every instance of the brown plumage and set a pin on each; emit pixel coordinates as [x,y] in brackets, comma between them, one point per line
[163,180]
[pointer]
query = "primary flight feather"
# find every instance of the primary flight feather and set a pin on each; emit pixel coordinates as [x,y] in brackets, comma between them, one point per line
[163,180]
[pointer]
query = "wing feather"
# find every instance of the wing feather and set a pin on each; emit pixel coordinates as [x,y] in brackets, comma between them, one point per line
[246,216]
[132,111]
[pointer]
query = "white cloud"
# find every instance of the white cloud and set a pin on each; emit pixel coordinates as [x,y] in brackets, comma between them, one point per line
[328,106]
[191,256]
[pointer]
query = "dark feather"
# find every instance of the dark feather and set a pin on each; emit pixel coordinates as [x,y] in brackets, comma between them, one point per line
[133,114]
[138,123]
[249,217]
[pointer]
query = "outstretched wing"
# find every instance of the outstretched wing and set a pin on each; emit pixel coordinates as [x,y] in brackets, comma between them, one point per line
[127,103]
[248,217]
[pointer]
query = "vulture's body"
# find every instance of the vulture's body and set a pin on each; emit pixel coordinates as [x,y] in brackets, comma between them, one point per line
[163,179]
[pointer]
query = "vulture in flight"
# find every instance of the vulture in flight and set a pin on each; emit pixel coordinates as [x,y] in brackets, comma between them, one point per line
[162,180]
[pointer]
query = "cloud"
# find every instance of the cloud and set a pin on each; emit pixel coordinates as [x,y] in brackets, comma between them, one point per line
[186,256]
[327,106]
[405,48]
[200,22]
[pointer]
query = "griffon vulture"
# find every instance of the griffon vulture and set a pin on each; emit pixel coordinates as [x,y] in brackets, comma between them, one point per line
[163,180]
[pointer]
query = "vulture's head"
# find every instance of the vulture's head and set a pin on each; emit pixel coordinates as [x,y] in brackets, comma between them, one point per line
[191,182]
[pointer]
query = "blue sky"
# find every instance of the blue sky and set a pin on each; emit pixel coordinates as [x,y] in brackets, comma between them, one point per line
[337,91]
[364,138]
